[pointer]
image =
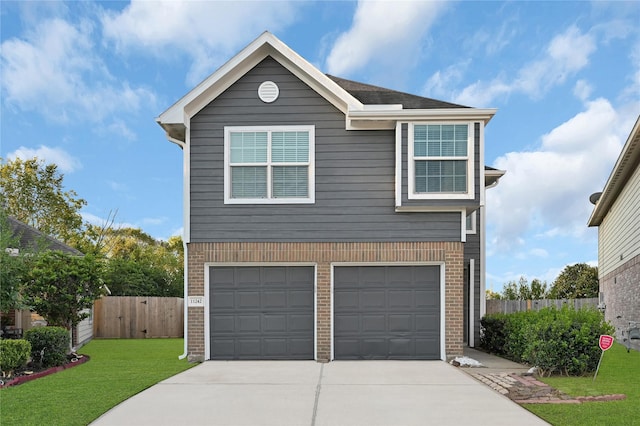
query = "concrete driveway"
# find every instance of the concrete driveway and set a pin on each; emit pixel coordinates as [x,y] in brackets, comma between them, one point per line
[299,393]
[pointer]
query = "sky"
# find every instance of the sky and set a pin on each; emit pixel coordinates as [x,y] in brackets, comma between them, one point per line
[82,84]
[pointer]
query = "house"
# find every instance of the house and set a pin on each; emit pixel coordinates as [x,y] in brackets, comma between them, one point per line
[325,218]
[30,238]
[617,215]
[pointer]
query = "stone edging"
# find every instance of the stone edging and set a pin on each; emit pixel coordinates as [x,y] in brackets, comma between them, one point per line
[529,390]
[27,378]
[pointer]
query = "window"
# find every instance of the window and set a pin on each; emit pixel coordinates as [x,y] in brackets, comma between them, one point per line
[440,163]
[269,165]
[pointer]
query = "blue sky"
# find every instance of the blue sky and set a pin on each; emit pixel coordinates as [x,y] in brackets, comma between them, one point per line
[82,83]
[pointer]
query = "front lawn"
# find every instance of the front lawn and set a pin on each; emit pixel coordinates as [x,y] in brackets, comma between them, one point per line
[117,370]
[619,373]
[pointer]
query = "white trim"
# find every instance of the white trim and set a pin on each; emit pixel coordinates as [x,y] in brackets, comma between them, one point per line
[265,45]
[483,263]
[427,208]
[463,226]
[310,199]
[481,164]
[331,312]
[435,115]
[186,188]
[473,228]
[472,306]
[398,164]
[469,158]
[442,265]
[207,312]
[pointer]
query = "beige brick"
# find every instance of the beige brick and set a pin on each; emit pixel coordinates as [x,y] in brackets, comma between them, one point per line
[323,254]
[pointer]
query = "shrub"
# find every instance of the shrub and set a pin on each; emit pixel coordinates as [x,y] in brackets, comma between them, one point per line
[494,336]
[13,355]
[566,341]
[49,345]
[557,341]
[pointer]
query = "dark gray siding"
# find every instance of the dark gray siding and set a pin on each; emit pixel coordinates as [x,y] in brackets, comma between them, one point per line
[355,173]
[472,251]
[455,203]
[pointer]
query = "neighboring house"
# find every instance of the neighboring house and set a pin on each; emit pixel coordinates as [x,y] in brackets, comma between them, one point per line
[617,216]
[327,219]
[30,238]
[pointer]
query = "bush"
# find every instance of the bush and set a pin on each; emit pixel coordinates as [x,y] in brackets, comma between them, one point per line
[13,355]
[557,341]
[49,345]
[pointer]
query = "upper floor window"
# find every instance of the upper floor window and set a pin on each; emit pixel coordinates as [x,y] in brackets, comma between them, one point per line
[269,164]
[441,161]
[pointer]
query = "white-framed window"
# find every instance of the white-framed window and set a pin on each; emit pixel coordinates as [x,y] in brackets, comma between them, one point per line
[471,223]
[440,160]
[269,165]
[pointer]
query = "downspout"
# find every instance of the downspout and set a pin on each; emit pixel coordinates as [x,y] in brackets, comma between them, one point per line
[185,250]
[186,298]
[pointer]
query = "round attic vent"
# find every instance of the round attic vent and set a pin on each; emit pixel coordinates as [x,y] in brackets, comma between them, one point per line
[268,91]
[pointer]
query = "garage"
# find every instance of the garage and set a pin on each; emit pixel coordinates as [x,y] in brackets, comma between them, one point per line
[261,312]
[387,312]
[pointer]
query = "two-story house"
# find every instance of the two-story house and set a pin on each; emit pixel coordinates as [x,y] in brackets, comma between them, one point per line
[327,219]
[617,216]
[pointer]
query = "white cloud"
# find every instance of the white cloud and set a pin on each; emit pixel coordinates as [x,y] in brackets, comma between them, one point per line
[383,31]
[207,32]
[153,221]
[54,70]
[546,191]
[66,162]
[582,90]
[539,252]
[564,56]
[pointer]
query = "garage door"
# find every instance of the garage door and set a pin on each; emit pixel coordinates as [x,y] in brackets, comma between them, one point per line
[262,312]
[387,312]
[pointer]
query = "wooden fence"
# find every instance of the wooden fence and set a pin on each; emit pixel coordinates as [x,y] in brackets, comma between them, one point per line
[511,306]
[138,317]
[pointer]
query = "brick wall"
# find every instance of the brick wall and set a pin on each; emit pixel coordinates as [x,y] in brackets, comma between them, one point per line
[621,289]
[323,254]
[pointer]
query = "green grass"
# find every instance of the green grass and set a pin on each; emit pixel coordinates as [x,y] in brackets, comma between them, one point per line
[619,373]
[117,370]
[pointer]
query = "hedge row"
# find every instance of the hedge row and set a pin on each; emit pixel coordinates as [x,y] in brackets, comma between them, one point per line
[557,341]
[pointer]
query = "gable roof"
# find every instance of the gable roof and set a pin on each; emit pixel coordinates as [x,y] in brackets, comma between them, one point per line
[625,166]
[30,237]
[365,106]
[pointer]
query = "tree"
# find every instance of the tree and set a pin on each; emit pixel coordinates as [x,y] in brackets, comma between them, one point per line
[522,290]
[576,282]
[32,192]
[61,286]
[538,289]
[12,268]
[139,265]
[492,295]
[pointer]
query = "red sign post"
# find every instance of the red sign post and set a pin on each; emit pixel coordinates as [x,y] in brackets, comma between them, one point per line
[605,343]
